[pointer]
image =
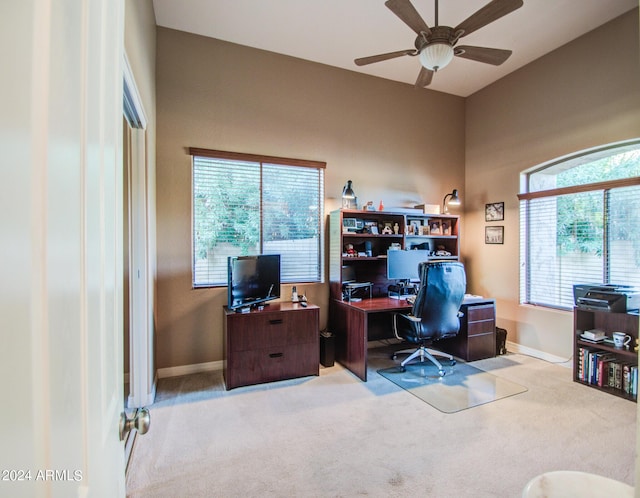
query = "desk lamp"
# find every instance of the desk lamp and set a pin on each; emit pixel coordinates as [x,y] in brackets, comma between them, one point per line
[349,199]
[454,201]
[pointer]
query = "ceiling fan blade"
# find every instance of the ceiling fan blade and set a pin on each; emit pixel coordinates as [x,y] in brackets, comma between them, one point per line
[492,11]
[405,10]
[424,77]
[363,61]
[493,56]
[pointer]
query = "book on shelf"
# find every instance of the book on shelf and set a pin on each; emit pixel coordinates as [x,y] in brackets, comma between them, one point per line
[617,382]
[593,335]
[602,378]
[612,374]
[626,378]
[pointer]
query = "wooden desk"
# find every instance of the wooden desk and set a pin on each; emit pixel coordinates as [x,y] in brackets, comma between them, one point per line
[356,323]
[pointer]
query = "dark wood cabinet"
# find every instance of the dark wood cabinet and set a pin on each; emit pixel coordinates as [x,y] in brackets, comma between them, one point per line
[477,337]
[601,365]
[280,342]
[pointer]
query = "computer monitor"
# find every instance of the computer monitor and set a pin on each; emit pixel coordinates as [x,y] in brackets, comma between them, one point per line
[403,265]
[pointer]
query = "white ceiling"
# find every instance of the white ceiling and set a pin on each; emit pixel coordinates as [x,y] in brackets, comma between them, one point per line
[335,32]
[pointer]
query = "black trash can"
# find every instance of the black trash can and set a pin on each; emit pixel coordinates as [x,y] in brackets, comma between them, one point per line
[501,341]
[327,349]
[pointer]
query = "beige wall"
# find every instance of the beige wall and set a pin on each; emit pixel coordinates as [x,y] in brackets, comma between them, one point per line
[398,144]
[582,95]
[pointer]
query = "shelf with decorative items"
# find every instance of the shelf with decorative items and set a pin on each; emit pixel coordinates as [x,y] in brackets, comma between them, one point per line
[438,233]
[359,241]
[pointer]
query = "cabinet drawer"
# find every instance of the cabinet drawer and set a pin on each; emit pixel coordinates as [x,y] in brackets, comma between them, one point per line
[259,331]
[481,346]
[270,364]
[480,328]
[475,313]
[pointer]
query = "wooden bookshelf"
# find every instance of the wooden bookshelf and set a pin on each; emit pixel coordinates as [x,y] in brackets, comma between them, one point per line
[601,365]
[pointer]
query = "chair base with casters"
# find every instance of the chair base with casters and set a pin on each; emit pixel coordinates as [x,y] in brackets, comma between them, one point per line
[424,352]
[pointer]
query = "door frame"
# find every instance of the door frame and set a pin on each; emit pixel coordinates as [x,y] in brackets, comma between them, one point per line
[142,382]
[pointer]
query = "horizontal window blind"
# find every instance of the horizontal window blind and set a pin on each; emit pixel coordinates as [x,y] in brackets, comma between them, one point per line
[623,236]
[253,207]
[590,234]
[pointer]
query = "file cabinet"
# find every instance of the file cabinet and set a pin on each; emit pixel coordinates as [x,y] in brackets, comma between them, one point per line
[282,341]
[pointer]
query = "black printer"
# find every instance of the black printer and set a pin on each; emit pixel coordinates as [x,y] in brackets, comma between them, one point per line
[606,297]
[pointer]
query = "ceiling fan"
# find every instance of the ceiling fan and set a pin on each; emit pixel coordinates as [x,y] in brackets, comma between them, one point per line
[436,46]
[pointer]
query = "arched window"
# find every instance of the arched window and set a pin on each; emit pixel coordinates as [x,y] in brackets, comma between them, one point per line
[580,224]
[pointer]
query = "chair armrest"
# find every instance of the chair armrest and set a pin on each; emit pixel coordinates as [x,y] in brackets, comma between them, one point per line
[410,318]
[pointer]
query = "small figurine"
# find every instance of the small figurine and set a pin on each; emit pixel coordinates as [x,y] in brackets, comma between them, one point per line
[351,252]
[396,228]
[381,206]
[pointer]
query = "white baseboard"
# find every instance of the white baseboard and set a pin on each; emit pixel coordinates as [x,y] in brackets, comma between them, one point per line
[514,347]
[210,366]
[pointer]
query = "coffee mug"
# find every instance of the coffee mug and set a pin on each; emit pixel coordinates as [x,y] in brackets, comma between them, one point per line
[621,339]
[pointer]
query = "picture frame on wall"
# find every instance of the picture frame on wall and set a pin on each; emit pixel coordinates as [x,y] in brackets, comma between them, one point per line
[494,211]
[494,235]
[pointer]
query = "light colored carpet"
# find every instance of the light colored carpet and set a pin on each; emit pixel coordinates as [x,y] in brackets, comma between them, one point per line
[335,436]
[463,386]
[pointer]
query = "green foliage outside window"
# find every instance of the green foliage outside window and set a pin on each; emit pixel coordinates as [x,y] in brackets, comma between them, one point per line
[226,215]
[581,225]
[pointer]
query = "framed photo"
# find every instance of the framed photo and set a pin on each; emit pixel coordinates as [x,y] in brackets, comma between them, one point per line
[494,211]
[494,235]
[434,227]
[415,227]
[446,229]
[424,230]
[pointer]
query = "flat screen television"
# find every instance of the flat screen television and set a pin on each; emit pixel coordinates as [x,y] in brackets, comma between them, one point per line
[253,279]
[403,265]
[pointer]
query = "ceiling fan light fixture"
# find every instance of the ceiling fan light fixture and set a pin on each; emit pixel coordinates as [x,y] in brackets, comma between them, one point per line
[435,56]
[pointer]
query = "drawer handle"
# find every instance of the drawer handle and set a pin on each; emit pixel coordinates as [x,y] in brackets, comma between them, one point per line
[276,355]
[277,321]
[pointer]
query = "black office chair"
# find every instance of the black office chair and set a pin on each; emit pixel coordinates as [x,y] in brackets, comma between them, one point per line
[435,314]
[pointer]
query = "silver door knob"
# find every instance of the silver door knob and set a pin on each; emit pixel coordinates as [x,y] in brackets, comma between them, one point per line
[140,421]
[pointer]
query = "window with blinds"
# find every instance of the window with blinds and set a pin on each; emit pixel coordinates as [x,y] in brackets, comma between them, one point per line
[246,204]
[580,223]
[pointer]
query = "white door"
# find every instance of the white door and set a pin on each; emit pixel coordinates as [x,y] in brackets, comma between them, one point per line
[61,247]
